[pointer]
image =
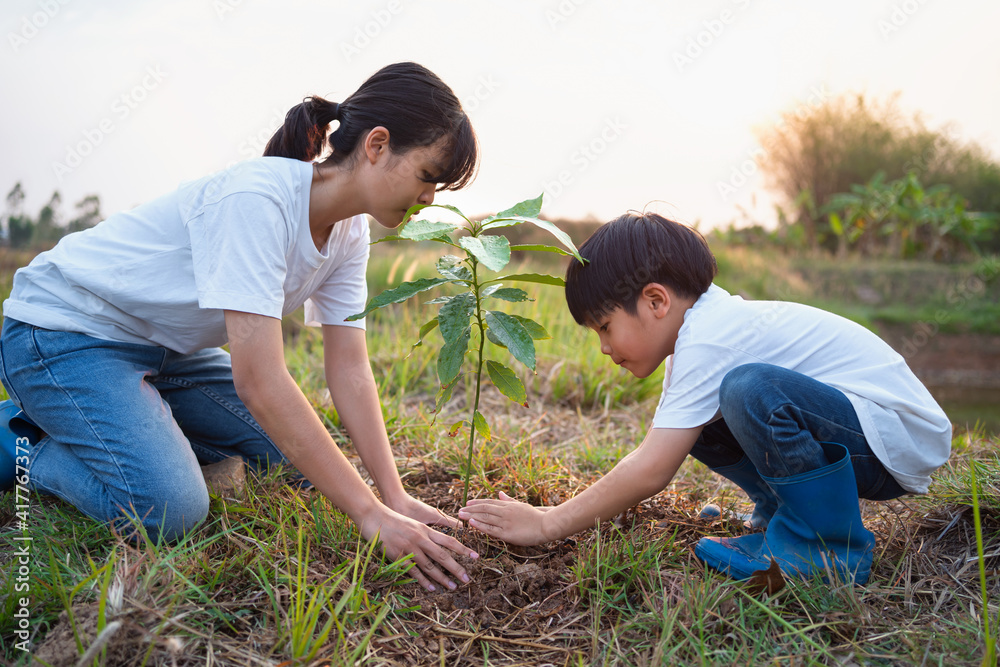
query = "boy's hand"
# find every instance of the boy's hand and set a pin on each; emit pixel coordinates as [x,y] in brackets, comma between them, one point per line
[409,506]
[506,519]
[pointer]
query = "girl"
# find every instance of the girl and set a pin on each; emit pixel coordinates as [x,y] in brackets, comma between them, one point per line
[110,341]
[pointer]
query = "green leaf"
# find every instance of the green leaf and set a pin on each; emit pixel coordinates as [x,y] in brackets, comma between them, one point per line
[391,237]
[533,278]
[440,299]
[541,247]
[493,339]
[836,224]
[513,335]
[492,251]
[454,315]
[399,293]
[423,230]
[512,294]
[451,266]
[481,425]
[490,289]
[456,427]
[416,208]
[527,211]
[428,326]
[507,382]
[443,396]
[526,208]
[534,329]
[452,355]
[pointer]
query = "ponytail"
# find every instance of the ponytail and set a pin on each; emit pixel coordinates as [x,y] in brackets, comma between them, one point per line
[304,132]
[407,99]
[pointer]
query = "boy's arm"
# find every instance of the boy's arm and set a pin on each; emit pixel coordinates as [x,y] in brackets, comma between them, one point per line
[643,473]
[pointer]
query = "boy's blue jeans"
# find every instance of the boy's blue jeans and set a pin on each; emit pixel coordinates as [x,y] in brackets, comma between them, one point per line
[777,418]
[127,425]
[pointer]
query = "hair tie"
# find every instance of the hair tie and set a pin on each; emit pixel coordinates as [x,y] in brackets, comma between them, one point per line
[336,111]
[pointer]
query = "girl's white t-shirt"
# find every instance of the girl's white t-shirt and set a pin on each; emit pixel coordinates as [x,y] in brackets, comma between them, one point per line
[162,273]
[906,429]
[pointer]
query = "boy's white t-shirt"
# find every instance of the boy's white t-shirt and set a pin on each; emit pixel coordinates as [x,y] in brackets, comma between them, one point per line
[162,273]
[905,427]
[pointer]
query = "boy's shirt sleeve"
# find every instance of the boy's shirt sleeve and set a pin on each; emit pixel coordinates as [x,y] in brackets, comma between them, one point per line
[691,384]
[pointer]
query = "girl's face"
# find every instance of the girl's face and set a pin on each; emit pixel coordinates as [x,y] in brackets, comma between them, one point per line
[404,180]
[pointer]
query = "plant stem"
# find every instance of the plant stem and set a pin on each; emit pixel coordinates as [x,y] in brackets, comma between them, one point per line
[479,380]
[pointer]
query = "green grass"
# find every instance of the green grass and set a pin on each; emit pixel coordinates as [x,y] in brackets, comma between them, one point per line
[277,575]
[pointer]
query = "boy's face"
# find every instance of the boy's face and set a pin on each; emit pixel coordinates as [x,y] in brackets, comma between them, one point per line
[639,343]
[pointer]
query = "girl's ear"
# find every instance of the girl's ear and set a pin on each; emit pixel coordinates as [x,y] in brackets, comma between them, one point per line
[658,299]
[376,144]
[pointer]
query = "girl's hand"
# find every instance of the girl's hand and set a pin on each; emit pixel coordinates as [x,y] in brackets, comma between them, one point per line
[432,551]
[507,519]
[409,506]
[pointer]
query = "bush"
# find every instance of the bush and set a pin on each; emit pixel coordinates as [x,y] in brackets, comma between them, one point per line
[815,154]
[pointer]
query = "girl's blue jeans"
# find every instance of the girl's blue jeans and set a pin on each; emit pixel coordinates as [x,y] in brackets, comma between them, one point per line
[127,425]
[777,418]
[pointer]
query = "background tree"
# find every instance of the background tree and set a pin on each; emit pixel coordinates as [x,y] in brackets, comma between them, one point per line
[48,229]
[88,214]
[19,227]
[816,153]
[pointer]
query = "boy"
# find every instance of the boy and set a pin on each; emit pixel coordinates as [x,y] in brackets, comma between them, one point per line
[804,410]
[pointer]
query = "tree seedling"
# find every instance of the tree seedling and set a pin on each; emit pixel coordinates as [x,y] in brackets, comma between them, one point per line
[466,318]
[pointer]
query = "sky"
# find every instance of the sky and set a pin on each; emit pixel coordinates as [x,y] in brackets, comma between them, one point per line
[601,106]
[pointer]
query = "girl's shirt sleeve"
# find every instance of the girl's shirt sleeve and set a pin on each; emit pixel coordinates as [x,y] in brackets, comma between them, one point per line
[239,246]
[345,291]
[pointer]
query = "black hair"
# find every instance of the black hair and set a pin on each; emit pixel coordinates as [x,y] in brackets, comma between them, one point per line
[407,99]
[630,252]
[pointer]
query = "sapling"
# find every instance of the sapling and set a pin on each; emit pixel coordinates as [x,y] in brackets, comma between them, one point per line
[465,317]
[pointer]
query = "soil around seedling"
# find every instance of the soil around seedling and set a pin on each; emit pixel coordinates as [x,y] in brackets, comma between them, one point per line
[515,587]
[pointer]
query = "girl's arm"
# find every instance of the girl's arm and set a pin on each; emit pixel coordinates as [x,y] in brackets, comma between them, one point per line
[355,395]
[276,402]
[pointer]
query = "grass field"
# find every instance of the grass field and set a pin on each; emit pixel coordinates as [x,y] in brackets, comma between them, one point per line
[276,576]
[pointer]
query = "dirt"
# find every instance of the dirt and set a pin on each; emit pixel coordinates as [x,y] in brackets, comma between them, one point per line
[125,646]
[513,586]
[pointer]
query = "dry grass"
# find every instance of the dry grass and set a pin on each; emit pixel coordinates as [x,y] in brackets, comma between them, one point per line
[631,593]
[276,576]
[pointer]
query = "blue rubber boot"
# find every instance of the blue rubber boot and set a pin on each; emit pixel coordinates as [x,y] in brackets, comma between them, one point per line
[744,474]
[816,529]
[14,425]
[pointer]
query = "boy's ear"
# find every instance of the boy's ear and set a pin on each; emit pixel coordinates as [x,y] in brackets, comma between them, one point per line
[657,298]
